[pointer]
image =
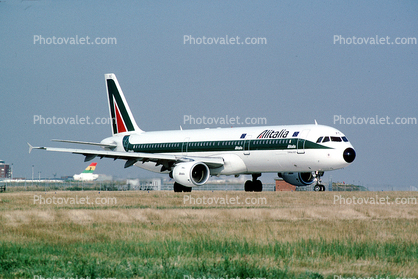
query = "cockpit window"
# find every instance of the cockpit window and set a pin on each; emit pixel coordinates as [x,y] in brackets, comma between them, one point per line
[338,139]
[326,139]
[344,139]
[319,140]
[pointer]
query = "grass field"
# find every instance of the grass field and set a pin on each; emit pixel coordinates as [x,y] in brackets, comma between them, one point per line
[158,235]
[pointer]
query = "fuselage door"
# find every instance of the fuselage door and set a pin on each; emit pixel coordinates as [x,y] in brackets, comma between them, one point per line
[301,141]
[247,143]
[185,146]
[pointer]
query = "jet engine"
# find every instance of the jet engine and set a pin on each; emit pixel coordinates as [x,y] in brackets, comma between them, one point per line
[298,178]
[191,174]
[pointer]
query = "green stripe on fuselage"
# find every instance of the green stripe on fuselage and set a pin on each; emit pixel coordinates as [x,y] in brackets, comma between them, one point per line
[220,146]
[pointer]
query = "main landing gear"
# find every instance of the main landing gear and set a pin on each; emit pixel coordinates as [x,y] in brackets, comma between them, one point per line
[254,185]
[180,188]
[319,187]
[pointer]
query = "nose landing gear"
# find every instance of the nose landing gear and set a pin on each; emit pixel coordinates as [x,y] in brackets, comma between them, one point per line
[319,187]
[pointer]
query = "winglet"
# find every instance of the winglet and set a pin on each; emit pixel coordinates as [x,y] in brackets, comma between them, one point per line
[316,123]
[30,147]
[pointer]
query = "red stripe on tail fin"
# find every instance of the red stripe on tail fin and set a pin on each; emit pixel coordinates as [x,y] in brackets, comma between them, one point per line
[119,121]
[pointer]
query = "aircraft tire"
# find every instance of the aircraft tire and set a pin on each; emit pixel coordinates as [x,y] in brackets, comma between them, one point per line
[180,188]
[249,186]
[177,187]
[258,186]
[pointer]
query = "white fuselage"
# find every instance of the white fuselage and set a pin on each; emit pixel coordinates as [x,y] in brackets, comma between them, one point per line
[85,176]
[245,150]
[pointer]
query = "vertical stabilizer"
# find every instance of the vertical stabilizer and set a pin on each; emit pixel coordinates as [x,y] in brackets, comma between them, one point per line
[91,168]
[120,113]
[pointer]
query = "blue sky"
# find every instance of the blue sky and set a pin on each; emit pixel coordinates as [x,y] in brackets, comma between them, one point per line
[298,76]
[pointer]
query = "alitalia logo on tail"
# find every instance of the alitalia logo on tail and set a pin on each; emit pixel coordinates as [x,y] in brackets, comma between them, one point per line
[272,134]
[122,120]
[120,124]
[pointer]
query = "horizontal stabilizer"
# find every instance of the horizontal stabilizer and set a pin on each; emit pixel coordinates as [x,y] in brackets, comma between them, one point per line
[30,147]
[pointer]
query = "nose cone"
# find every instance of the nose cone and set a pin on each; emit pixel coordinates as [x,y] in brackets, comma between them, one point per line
[349,155]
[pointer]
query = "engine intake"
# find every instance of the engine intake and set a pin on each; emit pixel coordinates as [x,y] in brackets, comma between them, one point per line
[298,178]
[191,174]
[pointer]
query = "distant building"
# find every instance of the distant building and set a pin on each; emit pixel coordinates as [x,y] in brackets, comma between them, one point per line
[282,185]
[5,171]
[144,184]
[67,177]
[104,177]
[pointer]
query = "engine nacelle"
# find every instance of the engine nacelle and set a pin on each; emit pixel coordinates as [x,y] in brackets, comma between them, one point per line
[191,174]
[298,178]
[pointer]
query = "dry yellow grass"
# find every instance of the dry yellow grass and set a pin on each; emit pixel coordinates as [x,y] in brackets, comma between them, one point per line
[286,217]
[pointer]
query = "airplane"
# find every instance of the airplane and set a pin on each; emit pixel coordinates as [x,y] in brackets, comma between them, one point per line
[87,174]
[300,154]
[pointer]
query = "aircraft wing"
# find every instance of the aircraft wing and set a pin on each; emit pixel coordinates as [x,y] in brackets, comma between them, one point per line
[166,160]
[87,143]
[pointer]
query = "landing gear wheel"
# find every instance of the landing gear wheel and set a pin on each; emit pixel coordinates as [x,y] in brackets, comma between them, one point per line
[180,188]
[249,186]
[254,185]
[258,186]
[318,186]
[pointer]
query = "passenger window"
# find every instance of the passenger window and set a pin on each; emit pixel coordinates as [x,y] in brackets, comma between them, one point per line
[337,139]
[319,140]
[326,139]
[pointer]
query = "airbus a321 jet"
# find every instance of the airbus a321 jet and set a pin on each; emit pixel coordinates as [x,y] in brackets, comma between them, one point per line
[300,154]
